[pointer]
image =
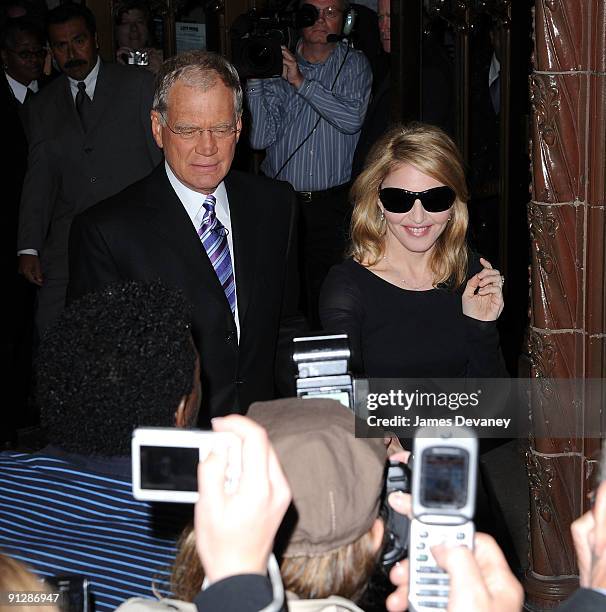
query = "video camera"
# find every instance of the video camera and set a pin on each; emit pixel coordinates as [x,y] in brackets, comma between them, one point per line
[257,38]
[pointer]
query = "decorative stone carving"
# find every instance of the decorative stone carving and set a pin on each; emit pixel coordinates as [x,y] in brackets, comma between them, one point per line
[553,504]
[542,354]
[557,102]
[556,243]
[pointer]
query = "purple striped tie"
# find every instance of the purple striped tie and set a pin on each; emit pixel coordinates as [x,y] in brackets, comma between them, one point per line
[214,238]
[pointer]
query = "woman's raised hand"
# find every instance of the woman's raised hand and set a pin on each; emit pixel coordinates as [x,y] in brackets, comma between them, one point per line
[483,295]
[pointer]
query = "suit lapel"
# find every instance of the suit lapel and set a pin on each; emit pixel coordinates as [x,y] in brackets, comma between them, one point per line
[246,229]
[169,219]
[66,104]
[104,90]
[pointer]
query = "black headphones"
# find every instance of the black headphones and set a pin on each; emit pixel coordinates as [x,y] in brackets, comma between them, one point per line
[349,21]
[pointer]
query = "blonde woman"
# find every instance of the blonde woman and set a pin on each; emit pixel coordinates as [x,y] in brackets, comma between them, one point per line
[413,299]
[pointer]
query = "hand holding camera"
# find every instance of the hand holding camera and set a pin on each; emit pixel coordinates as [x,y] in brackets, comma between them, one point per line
[132,57]
[235,531]
[290,70]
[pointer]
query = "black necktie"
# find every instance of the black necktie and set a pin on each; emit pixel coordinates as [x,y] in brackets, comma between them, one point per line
[29,94]
[83,105]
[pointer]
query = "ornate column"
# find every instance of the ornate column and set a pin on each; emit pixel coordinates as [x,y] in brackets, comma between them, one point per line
[566,218]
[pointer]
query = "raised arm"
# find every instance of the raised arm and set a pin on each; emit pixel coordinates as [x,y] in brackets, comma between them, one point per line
[344,107]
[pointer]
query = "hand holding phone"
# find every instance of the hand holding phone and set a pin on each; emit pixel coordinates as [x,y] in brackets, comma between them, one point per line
[480,580]
[443,505]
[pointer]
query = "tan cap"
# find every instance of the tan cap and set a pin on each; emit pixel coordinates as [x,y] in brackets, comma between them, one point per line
[336,478]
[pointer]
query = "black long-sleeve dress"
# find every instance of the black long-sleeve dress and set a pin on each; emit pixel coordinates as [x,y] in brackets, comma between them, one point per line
[398,333]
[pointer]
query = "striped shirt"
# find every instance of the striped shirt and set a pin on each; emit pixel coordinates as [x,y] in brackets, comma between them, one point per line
[283,116]
[62,518]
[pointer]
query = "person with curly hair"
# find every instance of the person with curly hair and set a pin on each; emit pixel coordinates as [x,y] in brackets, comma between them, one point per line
[115,360]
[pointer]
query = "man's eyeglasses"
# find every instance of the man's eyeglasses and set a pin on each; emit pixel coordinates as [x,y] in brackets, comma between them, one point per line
[330,13]
[30,55]
[189,133]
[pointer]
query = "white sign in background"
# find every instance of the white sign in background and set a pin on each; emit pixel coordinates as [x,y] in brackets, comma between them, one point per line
[190,36]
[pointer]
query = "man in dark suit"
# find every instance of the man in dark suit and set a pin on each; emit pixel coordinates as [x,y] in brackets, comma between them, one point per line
[89,138]
[225,238]
[22,42]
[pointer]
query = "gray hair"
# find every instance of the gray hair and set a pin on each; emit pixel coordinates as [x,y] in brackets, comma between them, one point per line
[197,69]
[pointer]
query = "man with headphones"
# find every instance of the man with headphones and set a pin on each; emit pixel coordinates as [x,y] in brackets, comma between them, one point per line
[309,122]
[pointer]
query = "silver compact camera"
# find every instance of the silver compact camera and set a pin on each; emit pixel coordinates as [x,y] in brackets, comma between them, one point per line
[165,462]
[137,58]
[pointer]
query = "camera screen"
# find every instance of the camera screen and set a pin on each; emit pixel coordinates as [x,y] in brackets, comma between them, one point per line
[444,478]
[169,468]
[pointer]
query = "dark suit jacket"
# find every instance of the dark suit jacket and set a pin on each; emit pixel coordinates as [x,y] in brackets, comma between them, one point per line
[144,233]
[70,170]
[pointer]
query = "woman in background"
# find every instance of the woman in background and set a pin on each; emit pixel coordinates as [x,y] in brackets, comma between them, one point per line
[415,302]
[133,33]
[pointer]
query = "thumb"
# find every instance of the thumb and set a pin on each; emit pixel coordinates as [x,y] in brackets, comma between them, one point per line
[467,588]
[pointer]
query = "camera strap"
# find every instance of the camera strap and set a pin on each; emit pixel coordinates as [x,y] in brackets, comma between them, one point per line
[277,174]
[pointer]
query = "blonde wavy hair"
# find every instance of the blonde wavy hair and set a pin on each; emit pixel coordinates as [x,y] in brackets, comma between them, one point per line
[433,153]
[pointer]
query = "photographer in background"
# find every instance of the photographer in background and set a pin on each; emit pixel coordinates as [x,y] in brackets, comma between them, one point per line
[309,122]
[133,33]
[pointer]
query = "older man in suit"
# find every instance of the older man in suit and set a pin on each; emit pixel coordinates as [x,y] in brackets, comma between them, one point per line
[225,238]
[89,138]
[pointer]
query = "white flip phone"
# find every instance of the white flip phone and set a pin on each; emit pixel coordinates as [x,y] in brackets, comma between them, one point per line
[165,461]
[443,505]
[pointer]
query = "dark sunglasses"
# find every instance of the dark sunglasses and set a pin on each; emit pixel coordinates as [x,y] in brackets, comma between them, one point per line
[397,200]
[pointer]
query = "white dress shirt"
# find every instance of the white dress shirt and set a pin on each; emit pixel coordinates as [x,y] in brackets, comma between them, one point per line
[20,90]
[193,203]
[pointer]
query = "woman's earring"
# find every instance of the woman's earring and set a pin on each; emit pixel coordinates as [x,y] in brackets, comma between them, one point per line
[382,217]
[449,217]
